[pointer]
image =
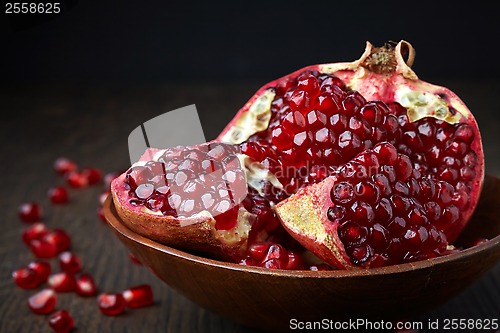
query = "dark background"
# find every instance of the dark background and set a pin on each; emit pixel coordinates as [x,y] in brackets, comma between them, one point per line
[170,41]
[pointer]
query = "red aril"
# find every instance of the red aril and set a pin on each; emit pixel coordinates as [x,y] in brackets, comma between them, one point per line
[35,231]
[77,179]
[43,302]
[26,278]
[85,285]
[61,321]
[42,269]
[111,304]
[30,212]
[69,262]
[64,165]
[43,249]
[62,282]
[138,296]
[58,195]
[93,175]
[59,239]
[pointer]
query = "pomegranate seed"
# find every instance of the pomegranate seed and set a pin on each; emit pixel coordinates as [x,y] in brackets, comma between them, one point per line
[63,165]
[62,282]
[61,321]
[93,175]
[43,302]
[26,278]
[111,304]
[76,179]
[295,261]
[257,250]
[35,231]
[59,239]
[43,249]
[58,195]
[69,262]
[30,212]
[85,285]
[138,296]
[42,269]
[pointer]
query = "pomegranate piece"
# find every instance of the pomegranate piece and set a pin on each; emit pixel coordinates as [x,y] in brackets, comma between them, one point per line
[58,195]
[26,278]
[42,248]
[64,165]
[30,212]
[111,304]
[59,239]
[370,213]
[69,262]
[62,282]
[61,321]
[77,179]
[187,197]
[85,285]
[138,296]
[43,302]
[35,231]
[42,269]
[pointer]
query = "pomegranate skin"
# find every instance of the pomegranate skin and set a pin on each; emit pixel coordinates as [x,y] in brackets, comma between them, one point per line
[197,233]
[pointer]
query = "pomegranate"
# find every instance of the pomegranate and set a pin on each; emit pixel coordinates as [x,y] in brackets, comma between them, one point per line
[85,285]
[63,165]
[43,302]
[138,296]
[61,321]
[70,262]
[302,136]
[111,304]
[62,282]
[30,212]
[58,195]
[26,278]
[42,269]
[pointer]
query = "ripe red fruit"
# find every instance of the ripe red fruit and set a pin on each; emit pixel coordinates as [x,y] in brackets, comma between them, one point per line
[30,212]
[59,239]
[42,269]
[26,278]
[43,302]
[61,321]
[35,231]
[85,285]
[77,179]
[93,175]
[111,304]
[63,165]
[69,262]
[138,296]
[62,282]
[58,195]
[43,249]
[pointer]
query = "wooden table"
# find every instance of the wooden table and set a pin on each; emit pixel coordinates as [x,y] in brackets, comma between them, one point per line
[90,124]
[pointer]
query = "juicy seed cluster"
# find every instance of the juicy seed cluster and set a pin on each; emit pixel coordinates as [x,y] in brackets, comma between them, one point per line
[387,211]
[316,120]
[186,181]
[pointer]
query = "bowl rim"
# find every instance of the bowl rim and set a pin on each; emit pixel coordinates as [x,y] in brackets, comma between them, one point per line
[116,223]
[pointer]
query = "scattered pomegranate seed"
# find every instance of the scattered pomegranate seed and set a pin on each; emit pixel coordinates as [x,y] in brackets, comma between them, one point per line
[63,165]
[43,302]
[62,282]
[61,322]
[85,285]
[58,195]
[30,212]
[138,296]
[35,231]
[59,238]
[69,262]
[26,278]
[42,269]
[93,175]
[43,249]
[111,304]
[76,179]
[134,259]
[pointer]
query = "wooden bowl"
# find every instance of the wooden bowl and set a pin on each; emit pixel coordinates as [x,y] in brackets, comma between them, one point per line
[269,299]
